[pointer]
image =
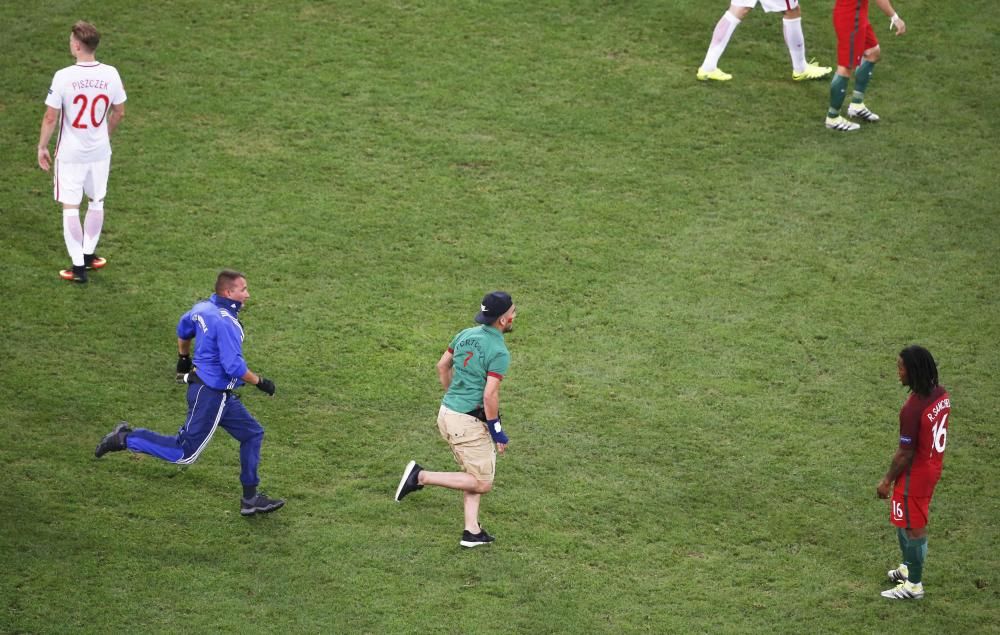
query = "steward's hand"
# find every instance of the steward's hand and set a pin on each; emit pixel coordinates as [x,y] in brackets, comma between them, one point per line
[266,385]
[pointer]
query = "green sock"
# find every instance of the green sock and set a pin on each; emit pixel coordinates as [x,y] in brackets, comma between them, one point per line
[903,543]
[917,552]
[861,78]
[838,91]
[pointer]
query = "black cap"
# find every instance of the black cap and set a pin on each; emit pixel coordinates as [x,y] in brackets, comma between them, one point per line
[495,304]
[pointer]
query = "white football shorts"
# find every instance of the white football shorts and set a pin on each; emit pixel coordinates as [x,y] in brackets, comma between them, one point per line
[770,6]
[73,180]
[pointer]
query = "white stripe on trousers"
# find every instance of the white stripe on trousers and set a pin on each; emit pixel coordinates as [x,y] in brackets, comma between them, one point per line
[222,406]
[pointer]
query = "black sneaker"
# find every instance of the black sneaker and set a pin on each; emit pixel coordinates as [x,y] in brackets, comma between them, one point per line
[409,482]
[76,274]
[113,441]
[470,539]
[260,504]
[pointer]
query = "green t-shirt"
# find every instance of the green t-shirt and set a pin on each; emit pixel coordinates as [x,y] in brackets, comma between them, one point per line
[479,351]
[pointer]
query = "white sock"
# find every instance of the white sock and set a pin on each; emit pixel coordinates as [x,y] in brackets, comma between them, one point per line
[796,42]
[720,40]
[92,224]
[73,234]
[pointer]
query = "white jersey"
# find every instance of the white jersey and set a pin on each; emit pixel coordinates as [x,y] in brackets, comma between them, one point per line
[84,93]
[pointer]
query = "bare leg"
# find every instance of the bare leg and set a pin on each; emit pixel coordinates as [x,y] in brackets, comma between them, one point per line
[472,492]
[471,502]
[452,480]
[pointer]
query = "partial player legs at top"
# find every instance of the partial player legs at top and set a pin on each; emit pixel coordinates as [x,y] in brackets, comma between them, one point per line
[791,29]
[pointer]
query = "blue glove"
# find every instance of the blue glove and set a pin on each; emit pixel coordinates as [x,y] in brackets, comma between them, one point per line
[499,436]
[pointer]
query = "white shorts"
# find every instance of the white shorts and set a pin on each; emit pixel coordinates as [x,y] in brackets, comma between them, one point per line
[73,180]
[770,6]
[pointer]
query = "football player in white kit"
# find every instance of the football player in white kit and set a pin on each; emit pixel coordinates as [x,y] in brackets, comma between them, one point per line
[791,27]
[90,98]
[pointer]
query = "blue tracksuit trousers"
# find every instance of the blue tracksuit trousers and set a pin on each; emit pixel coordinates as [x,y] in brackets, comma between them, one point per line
[208,409]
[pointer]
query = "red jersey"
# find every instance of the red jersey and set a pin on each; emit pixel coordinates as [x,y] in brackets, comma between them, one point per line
[923,426]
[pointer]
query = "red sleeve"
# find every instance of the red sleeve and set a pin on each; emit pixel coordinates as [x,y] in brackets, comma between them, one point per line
[909,424]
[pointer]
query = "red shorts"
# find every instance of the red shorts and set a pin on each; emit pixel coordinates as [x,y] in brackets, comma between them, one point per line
[854,36]
[908,512]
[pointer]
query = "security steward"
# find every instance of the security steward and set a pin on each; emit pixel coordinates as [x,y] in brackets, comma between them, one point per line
[217,369]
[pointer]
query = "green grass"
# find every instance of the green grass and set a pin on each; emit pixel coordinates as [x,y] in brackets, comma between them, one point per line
[712,289]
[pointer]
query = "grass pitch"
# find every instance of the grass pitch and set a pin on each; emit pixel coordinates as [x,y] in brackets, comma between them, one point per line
[712,289]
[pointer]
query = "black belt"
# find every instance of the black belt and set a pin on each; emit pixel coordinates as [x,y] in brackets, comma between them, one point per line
[478,413]
[193,378]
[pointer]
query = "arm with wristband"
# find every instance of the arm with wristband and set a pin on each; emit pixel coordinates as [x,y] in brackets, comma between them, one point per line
[491,406]
[184,363]
[185,336]
[895,22]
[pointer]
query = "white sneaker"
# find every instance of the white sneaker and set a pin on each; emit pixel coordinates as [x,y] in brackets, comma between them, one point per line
[860,111]
[839,123]
[902,574]
[905,591]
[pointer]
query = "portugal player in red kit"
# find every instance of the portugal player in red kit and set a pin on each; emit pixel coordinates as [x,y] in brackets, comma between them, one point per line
[916,466]
[857,47]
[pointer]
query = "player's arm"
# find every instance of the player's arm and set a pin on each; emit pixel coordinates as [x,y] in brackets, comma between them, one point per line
[115,117]
[909,429]
[894,20]
[900,462]
[49,121]
[446,368]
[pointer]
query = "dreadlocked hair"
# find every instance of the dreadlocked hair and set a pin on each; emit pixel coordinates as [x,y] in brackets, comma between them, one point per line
[921,370]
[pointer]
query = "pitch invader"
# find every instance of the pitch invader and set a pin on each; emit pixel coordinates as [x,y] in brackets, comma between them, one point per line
[791,27]
[470,371]
[857,47]
[916,466]
[87,102]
